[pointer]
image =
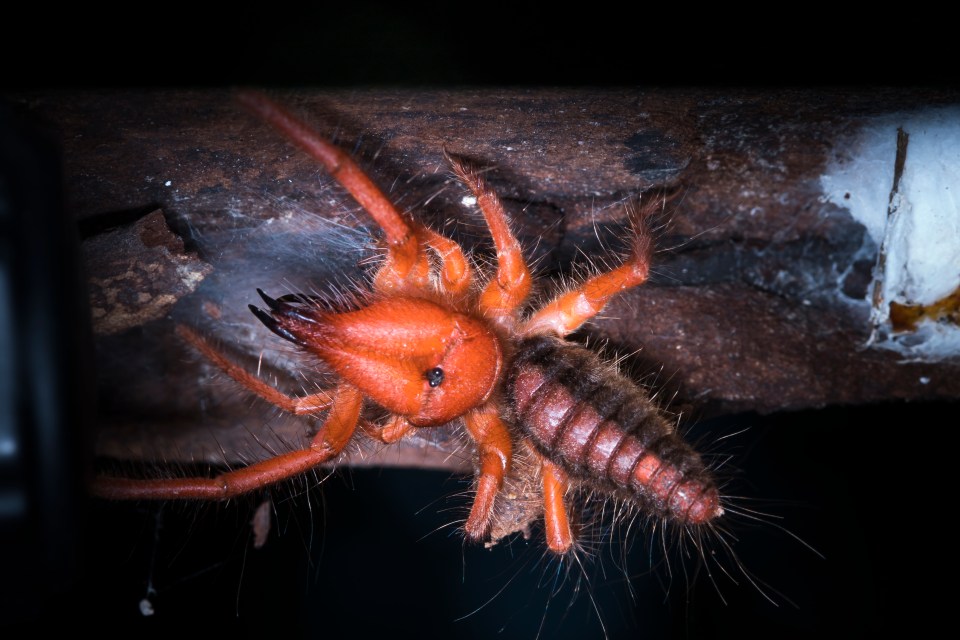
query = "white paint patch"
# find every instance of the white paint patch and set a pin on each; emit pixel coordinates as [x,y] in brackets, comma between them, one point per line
[469,201]
[917,225]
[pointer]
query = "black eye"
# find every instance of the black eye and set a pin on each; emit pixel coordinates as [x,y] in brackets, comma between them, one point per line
[435,376]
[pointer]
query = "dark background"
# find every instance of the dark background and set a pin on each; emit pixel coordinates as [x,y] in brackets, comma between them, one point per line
[469,43]
[373,553]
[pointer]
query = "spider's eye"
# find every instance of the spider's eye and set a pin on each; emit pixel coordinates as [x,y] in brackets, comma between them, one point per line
[435,376]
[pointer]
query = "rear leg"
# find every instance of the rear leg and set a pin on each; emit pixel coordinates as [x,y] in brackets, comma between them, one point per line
[563,315]
[568,311]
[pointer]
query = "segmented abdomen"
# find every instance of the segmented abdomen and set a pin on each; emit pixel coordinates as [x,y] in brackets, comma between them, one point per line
[605,431]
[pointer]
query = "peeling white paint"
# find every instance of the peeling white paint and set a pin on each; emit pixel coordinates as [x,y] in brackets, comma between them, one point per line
[918,225]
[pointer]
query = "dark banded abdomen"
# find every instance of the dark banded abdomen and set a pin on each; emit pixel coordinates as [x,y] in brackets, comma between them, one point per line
[604,430]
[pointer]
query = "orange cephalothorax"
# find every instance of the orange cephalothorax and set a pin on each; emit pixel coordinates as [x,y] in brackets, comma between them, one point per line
[415,358]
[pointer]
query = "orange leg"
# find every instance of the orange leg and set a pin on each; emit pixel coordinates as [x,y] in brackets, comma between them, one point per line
[506,293]
[329,441]
[456,275]
[493,441]
[393,431]
[406,264]
[559,535]
[299,406]
[565,313]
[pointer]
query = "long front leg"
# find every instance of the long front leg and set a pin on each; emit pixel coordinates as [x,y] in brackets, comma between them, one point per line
[329,441]
[407,265]
[307,405]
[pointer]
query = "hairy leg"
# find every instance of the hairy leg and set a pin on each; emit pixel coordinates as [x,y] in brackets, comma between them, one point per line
[565,313]
[493,441]
[503,296]
[329,441]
